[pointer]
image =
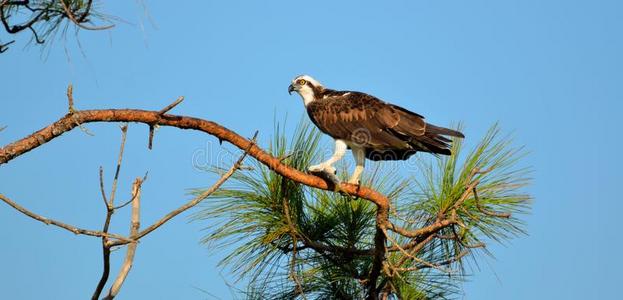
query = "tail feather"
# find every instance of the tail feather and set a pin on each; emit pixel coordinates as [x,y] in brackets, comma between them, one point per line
[430,128]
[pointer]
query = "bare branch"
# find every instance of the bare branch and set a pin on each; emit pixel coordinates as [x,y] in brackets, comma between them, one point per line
[132,198]
[134,226]
[71,228]
[101,175]
[110,209]
[124,134]
[172,105]
[70,98]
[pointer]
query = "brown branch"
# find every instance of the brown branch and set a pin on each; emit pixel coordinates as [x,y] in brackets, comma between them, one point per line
[422,231]
[415,247]
[134,226]
[382,221]
[71,228]
[69,122]
[152,118]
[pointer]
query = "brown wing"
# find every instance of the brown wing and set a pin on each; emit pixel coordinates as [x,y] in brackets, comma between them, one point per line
[380,127]
[360,119]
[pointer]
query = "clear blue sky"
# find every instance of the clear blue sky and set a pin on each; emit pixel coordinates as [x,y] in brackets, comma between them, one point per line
[551,71]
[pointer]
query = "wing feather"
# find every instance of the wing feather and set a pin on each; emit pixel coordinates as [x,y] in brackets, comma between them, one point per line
[367,121]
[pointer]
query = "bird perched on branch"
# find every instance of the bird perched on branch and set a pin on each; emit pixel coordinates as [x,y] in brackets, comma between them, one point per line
[370,127]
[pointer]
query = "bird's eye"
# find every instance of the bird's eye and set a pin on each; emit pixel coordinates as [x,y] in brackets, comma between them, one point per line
[302,81]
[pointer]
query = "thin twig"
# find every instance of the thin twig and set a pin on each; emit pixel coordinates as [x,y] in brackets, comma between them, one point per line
[71,228]
[70,98]
[132,198]
[124,133]
[110,210]
[101,175]
[160,113]
[171,106]
[4,47]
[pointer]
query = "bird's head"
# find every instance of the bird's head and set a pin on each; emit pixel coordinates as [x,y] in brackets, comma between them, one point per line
[307,87]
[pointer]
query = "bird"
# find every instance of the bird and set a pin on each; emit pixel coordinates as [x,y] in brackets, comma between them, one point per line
[372,128]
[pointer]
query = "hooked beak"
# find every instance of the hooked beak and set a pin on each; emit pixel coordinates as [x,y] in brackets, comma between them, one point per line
[291,89]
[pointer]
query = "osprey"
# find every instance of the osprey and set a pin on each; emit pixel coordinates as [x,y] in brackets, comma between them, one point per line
[370,127]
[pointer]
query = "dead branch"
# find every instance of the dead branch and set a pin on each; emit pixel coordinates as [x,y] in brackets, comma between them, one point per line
[134,226]
[71,228]
[171,106]
[110,209]
[70,98]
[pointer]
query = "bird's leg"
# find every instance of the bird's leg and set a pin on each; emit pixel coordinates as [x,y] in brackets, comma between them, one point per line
[327,166]
[360,161]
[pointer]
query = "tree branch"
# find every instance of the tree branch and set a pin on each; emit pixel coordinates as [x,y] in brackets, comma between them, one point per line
[110,209]
[422,231]
[382,219]
[70,121]
[71,228]
[134,226]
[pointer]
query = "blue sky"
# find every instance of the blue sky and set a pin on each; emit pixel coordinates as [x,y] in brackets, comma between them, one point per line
[551,72]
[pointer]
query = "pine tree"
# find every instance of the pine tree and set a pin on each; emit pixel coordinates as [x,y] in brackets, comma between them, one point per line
[290,241]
